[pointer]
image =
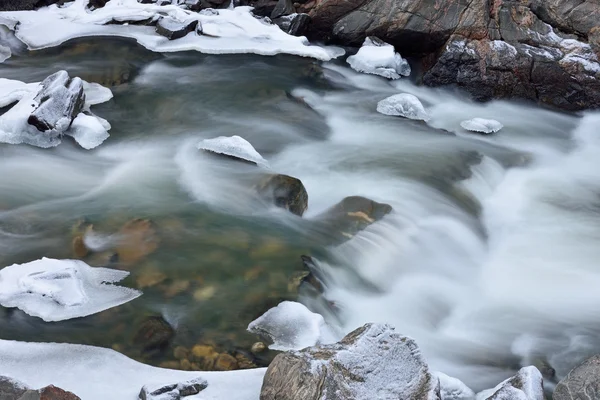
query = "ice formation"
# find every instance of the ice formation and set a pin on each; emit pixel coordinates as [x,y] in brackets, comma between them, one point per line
[379,58]
[233,146]
[482,125]
[403,105]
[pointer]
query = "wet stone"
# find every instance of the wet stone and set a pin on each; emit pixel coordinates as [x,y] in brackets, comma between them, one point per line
[153,334]
[173,29]
[285,192]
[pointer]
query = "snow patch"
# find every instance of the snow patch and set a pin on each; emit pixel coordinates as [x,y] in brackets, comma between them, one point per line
[482,125]
[229,31]
[452,388]
[234,146]
[403,105]
[502,46]
[379,58]
[56,290]
[291,326]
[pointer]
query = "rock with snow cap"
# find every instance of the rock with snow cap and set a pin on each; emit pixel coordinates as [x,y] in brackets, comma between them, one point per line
[173,29]
[379,58]
[294,24]
[453,389]
[403,105]
[372,362]
[234,147]
[173,391]
[482,125]
[11,389]
[527,384]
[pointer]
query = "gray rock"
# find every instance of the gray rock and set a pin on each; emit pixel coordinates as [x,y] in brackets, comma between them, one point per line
[59,101]
[11,389]
[373,362]
[527,384]
[285,192]
[283,7]
[173,29]
[582,383]
[294,24]
[193,5]
[26,5]
[174,391]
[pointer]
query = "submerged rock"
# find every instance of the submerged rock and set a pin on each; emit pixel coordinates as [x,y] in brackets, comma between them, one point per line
[583,382]
[173,29]
[527,384]
[234,147]
[373,362]
[174,391]
[57,103]
[379,58]
[482,125]
[285,192]
[137,239]
[403,105]
[153,334]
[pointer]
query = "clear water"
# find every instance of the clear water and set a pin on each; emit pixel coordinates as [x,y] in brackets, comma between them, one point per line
[489,258]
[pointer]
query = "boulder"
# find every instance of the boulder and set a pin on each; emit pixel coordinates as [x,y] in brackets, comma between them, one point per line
[582,383]
[283,7]
[527,384]
[294,24]
[173,29]
[11,389]
[57,103]
[453,389]
[372,362]
[153,334]
[173,391]
[285,192]
[95,4]
[52,392]
[25,5]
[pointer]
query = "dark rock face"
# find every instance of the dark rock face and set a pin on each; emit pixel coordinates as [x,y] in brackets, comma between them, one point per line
[286,192]
[582,383]
[173,391]
[173,29]
[59,101]
[294,24]
[25,5]
[373,362]
[283,7]
[95,4]
[11,389]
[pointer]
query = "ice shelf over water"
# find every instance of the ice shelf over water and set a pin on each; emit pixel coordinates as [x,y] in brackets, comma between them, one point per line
[234,146]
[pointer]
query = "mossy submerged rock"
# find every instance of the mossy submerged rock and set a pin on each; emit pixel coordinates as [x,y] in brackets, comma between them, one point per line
[153,334]
[285,192]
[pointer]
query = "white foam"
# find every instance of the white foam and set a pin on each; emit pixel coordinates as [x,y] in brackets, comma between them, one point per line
[94,373]
[379,58]
[403,105]
[482,125]
[235,146]
[56,290]
[229,31]
[291,326]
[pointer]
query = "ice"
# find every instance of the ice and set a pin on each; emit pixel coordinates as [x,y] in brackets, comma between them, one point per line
[12,91]
[56,290]
[96,94]
[234,146]
[291,326]
[95,373]
[482,125]
[379,58]
[230,31]
[88,131]
[527,384]
[452,388]
[403,105]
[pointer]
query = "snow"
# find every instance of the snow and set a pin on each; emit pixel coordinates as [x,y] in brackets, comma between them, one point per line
[379,58]
[482,125]
[57,290]
[88,131]
[291,326]
[527,384]
[234,146]
[403,105]
[95,373]
[502,46]
[230,31]
[452,388]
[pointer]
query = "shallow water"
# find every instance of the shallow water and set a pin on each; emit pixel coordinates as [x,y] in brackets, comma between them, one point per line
[489,258]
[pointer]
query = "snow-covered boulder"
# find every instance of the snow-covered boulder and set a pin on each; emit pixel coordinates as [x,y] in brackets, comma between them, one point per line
[173,29]
[527,384]
[379,58]
[453,389]
[482,125]
[173,391]
[235,147]
[11,388]
[56,290]
[403,105]
[291,326]
[373,362]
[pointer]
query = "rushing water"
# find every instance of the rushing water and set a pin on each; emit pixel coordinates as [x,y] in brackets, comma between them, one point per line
[489,262]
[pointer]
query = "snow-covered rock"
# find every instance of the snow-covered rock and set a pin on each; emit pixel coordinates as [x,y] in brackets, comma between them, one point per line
[403,105]
[527,384]
[452,388]
[379,58]
[291,326]
[235,147]
[56,290]
[173,29]
[95,373]
[172,391]
[482,125]
[226,32]
[11,388]
[373,362]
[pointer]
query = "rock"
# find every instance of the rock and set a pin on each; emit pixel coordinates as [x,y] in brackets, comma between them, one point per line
[403,105]
[234,147]
[54,393]
[582,383]
[527,384]
[294,24]
[154,334]
[95,4]
[226,362]
[11,389]
[79,249]
[379,58]
[452,388]
[258,347]
[173,391]
[137,239]
[283,7]
[25,5]
[285,192]
[193,5]
[173,29]
[373,362]
[482,125]
[57,103]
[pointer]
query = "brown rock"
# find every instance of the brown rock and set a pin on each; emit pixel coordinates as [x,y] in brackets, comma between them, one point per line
[226,362]
[284,191]
[53,393]
[138,239]
[79,249]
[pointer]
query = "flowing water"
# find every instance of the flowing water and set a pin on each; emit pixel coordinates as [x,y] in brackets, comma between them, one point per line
[489,258]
